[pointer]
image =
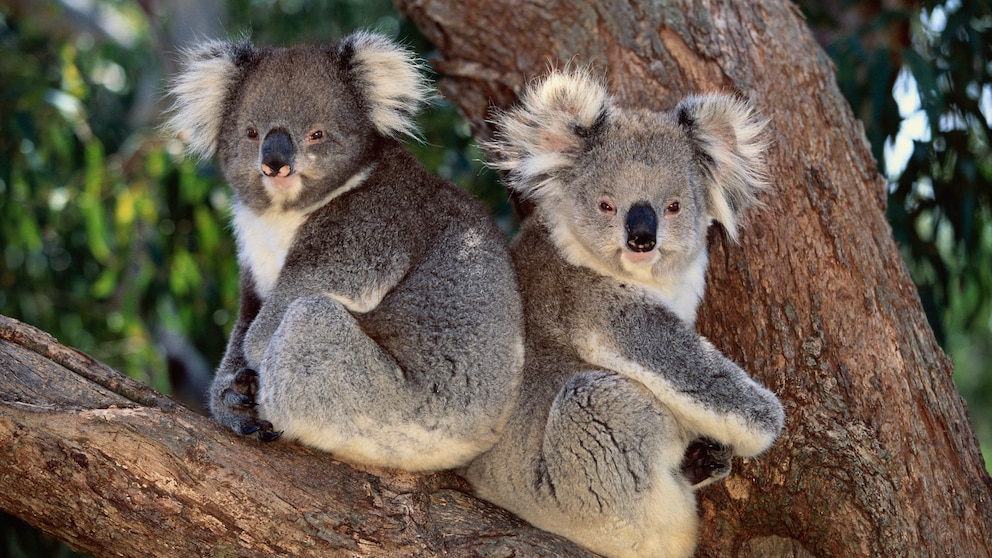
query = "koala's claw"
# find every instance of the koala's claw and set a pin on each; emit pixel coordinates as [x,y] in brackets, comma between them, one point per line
[240,401]
[262,429]
[706,461]
[269,436]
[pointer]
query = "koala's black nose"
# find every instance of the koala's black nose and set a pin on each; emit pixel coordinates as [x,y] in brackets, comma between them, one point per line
[642,226]
[277,153]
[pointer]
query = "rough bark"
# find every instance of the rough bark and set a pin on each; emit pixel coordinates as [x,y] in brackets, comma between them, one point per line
[113,468]
[879,457]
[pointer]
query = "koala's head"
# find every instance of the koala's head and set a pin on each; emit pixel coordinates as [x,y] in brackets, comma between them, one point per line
[293,125]
[631,193]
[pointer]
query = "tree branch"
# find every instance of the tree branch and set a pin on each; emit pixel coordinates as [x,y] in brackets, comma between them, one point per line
[110,466]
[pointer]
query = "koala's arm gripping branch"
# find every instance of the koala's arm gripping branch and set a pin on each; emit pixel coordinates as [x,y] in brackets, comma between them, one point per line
[711,394]
[89,453]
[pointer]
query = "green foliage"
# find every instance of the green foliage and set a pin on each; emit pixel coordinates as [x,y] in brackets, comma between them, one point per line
[945,187]
[107,234]
[285,22]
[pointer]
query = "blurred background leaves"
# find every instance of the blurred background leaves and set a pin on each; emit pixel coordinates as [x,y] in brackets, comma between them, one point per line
[118,246]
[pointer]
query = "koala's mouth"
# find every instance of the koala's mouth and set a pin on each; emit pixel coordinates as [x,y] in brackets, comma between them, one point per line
[281,183]
[283,189]
[639,258]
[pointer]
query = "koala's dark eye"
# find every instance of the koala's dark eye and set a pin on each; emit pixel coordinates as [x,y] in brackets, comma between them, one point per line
[251,133]
[316,135]
[673,208]
[607,208]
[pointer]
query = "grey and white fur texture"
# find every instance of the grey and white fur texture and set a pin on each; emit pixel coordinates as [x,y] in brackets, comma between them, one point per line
[380,318]
[625,410]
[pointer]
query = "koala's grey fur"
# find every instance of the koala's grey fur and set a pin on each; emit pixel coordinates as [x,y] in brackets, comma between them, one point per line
[380,318]
[625,410]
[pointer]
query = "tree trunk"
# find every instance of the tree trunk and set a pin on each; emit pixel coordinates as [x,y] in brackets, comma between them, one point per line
[879,457]
[113,468]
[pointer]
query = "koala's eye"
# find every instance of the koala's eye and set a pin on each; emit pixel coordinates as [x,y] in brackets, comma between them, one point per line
[607,208]
[673,208]
[251,133]
[316,135]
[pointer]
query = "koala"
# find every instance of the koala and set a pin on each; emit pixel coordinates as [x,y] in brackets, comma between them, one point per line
[380,318]
[625,410]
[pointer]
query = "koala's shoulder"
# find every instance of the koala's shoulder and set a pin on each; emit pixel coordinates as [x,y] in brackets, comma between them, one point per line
[542,268]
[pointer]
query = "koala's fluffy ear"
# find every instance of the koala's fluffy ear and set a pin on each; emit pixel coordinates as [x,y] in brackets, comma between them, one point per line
[551,126]
[391,79]
[727,136]
[208,73]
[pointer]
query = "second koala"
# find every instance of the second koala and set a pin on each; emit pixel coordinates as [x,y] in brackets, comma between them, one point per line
[380,318]
[625,410]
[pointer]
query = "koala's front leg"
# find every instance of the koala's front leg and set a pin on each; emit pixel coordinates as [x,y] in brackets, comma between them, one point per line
[736,410]
[264,326]
[356,291]
[712,396]
[232,393]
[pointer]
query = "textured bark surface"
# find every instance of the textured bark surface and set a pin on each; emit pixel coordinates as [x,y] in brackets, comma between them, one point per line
[879,457]
[113,468]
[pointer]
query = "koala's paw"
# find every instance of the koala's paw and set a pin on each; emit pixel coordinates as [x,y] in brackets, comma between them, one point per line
[706,461]
[239,401]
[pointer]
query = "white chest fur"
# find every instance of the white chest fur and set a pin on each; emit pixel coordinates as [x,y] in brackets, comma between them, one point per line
[682,291]
[265,239]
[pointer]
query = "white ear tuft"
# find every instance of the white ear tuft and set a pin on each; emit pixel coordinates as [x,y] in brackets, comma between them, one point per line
[200,90]
[727,135]
[548,129]
[392,80]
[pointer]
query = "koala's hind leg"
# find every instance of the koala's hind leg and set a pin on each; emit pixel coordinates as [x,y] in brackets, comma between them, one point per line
[612,454]
[325,382]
